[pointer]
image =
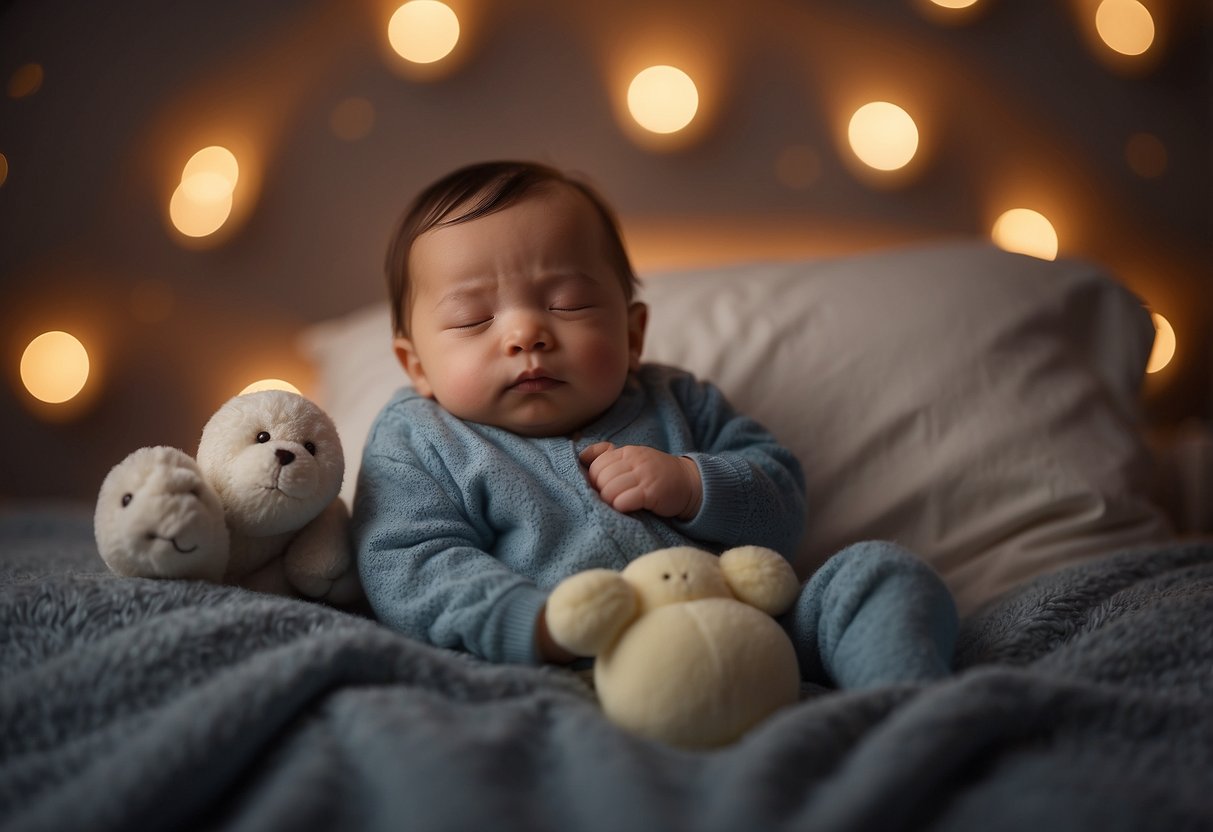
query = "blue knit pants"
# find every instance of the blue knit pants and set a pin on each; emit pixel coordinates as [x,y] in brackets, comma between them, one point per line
[873,614]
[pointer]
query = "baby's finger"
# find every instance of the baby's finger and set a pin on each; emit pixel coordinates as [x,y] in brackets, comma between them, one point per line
[594,451]
[623,493]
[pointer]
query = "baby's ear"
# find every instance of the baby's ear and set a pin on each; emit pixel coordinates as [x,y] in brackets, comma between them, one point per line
[406,354]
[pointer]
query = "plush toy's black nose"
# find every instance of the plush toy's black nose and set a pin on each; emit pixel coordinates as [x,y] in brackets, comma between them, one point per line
[284,457]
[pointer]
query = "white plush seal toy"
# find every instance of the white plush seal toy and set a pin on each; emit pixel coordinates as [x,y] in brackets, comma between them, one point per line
[156,517]
[276,463]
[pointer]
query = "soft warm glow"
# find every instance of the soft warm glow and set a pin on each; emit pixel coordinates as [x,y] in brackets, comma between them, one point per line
[954,4]
[1146,155]
[25,81]
[1164,344]
[883,136]
[195,218]
[202,203]
[269,384]
[798,166]
[54,367]
[423,31]
[663,99]
[1027,232]
[352,119]
[210,174]
[1125,26]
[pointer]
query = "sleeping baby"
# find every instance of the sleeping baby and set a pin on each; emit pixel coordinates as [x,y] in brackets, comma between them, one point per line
[533,444]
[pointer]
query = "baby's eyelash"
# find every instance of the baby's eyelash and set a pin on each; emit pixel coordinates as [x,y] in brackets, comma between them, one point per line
[570,308]
[471,325]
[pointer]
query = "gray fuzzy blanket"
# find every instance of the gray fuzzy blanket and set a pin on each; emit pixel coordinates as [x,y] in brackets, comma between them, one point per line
[1084,701]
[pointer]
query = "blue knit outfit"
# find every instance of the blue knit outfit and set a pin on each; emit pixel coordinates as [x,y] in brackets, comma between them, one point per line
[462,529]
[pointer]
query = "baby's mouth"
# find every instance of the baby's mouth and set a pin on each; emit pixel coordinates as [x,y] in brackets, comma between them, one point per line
[534,381]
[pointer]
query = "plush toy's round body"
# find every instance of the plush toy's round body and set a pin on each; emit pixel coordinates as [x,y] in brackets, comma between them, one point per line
[688,651]
[699,673]
[157,517]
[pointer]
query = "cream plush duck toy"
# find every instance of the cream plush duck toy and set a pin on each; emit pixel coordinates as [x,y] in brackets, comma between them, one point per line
[687,649]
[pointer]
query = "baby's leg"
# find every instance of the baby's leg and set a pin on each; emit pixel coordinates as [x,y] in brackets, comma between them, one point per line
[873,614]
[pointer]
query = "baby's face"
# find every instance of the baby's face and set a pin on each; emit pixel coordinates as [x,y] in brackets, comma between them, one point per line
[518,319]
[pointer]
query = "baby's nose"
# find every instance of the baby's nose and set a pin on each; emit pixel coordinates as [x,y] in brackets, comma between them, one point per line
[285,457]
[528,334]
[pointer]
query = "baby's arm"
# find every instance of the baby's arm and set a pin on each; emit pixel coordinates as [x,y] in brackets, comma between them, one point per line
[753,487]
[635,477]
[427,571]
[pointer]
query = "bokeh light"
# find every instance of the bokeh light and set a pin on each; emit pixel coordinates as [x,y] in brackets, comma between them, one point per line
[1164,344]
[25,81]
[1027,232]
[202,202]
[954,4]
[423,31]
[270,384]
[883,136]
[1125,26]
[54,367]
[663,99]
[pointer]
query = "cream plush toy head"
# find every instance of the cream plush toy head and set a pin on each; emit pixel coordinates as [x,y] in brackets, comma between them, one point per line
[274,459]
[157,517]
[687,649]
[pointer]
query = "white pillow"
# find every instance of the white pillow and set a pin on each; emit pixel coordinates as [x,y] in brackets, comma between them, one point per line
[977,406]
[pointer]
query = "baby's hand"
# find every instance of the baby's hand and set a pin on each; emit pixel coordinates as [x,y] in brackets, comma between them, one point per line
[635,477]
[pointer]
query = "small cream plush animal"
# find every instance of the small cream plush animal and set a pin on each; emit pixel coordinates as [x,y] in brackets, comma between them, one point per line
[687,649]
[275,460]
[156,517]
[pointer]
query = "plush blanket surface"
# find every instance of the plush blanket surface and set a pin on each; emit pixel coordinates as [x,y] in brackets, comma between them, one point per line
[1083,701]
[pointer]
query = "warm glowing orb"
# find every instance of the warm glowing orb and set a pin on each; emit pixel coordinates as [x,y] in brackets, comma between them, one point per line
[269,384]
[1027,232]
[1164,344]
[663,99]
[423,31]
[215,162]
[1125,26]
[202,203]
[54,367]
[883,136]
[954,4]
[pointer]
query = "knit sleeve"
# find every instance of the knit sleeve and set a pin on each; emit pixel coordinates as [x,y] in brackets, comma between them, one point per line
[753,487]
[423,560]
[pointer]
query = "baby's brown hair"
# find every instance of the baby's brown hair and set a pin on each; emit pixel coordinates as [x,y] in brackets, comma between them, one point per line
[476,191]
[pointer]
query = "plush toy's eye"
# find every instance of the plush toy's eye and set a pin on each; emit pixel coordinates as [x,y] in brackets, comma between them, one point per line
[126,499]
[263,437]
[665,576]
[310,447]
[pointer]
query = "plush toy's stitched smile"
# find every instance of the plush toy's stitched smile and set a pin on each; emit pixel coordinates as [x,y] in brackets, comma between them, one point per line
[172,540]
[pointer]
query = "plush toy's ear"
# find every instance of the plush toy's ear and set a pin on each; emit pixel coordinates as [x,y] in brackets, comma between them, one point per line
[586,612]
[761,578]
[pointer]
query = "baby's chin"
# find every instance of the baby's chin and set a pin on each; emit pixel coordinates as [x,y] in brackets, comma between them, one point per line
[542,428]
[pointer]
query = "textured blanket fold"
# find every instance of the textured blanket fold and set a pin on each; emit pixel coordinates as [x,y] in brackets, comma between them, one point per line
[1083,701]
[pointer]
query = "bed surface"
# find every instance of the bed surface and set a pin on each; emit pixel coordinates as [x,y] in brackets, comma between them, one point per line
[1081,701]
